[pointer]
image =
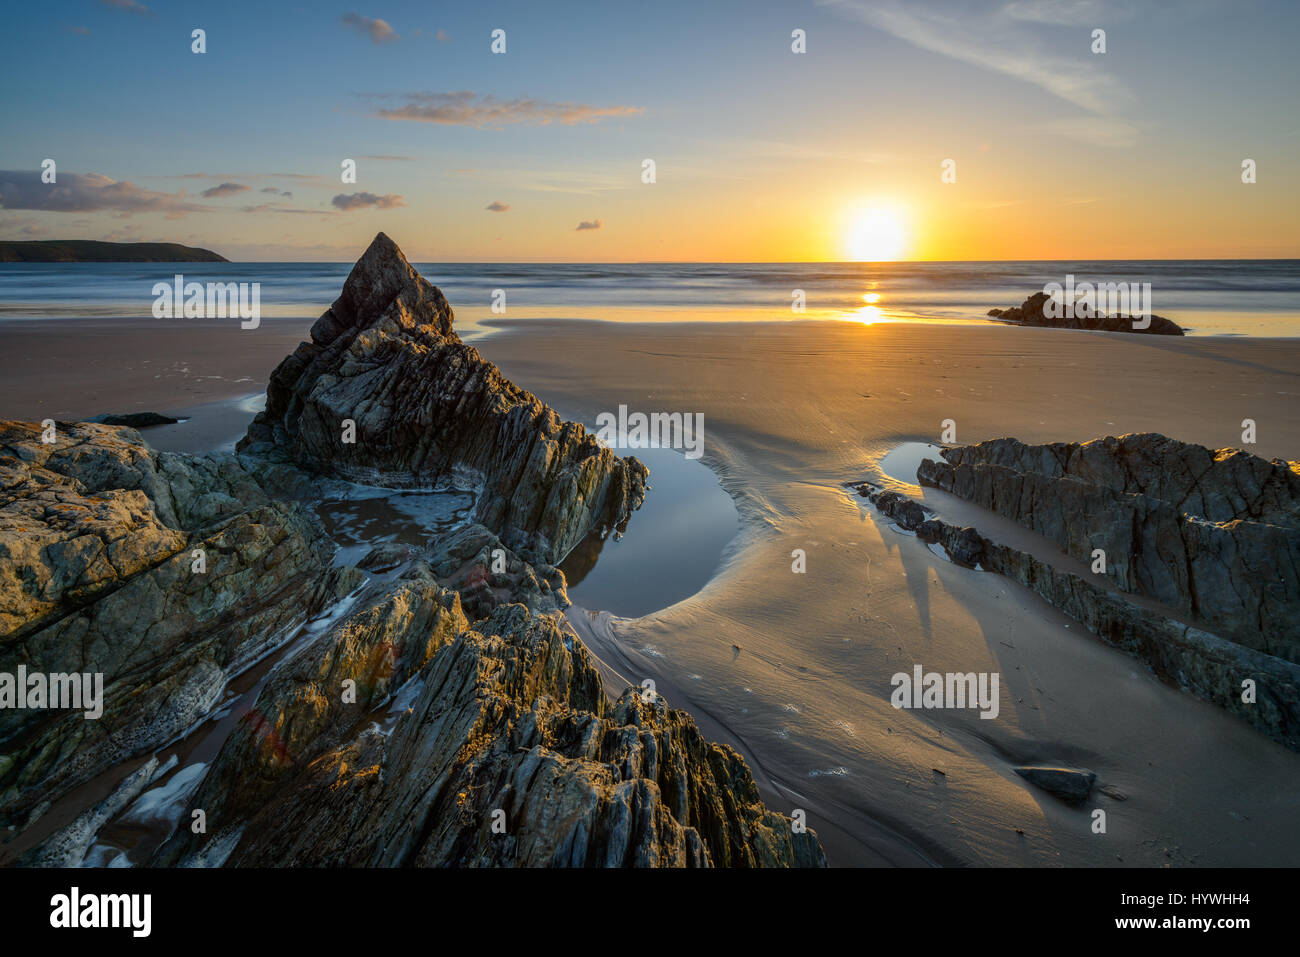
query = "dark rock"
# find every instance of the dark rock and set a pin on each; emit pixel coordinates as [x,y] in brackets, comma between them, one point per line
[136,420]
[1031,313]
[1190,658]
[1212,533]
[965,545]
[386,557]
[904,511]
[1070,785]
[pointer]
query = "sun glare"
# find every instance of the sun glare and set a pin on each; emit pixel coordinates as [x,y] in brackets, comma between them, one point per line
[876,236]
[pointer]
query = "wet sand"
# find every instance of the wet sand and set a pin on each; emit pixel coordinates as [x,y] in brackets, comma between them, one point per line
[791,412]
[794,669]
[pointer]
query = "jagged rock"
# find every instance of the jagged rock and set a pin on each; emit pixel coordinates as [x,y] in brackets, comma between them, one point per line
[505,723]
[427,408]
[475,563]
[97,576]
[421,699]
[1215,534]
[387,557]
[1196,661]
[907,513]
[1031,313]
[1070,785]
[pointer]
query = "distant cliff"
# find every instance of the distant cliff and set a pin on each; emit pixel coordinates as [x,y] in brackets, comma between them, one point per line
[89,251]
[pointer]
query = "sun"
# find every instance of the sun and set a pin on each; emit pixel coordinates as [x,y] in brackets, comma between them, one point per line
[876,235]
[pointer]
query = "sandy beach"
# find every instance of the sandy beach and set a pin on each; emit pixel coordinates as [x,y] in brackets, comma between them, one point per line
[794,669]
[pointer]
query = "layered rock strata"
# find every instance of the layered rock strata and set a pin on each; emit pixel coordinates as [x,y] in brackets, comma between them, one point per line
[1210,537]
[1213,533]
[426,408]
[411,736]
[166,575]
[428,707]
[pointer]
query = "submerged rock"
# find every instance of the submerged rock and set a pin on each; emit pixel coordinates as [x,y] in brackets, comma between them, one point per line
[427,408]
[1031,313]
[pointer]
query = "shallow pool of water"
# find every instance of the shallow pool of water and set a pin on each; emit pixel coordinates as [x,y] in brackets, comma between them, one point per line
[672,547]
[902,462]
[370,516]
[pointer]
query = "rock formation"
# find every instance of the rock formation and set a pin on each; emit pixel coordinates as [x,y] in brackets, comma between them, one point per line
[1211,537]
[429,409]
[472,744]
[1031,313]
[430,706]
[1215,534]
[98,542]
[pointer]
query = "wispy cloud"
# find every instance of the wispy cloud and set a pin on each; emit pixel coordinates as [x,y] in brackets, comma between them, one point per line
[1066,13]
[1001,40]
[277,192]
[281,208]
[87,192]
[378,30]
[465,108]
[225,189]
[589,224]
[1094,130]
[128,5]
[350,201]
[497,207]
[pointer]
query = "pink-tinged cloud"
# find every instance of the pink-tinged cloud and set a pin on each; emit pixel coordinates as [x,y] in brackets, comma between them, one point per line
[87,192]
[589,224]
[378,30]
[466,108]
[350,201]
[225,189]
[497,207]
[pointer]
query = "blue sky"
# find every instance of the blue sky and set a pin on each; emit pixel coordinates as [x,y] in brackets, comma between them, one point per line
[761,154]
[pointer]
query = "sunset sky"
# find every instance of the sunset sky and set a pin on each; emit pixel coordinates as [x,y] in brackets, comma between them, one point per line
[761,154]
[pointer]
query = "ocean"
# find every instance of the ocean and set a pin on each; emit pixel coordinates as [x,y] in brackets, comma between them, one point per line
[1211,297]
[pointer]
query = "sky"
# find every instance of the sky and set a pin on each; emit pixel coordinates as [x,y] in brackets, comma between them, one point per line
[761,154]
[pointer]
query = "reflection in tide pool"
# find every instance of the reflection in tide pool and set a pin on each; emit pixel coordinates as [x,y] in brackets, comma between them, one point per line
[901,463]
[672,546]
